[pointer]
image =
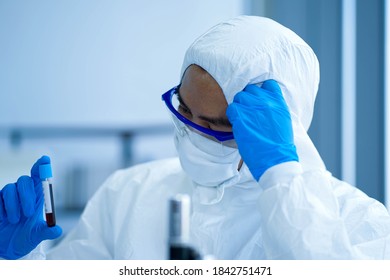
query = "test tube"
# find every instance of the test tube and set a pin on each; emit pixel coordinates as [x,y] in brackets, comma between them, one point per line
[45,174]
[179,229]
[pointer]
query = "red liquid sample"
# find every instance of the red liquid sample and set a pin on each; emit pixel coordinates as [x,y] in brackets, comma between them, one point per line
[51,217]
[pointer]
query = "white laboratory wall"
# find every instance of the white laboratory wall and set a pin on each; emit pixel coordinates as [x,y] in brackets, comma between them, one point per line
[96,62]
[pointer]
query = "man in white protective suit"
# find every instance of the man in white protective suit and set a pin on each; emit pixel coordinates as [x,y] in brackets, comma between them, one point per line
[258,187]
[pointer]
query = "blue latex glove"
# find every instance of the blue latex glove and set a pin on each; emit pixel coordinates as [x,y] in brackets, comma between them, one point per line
[22,226]
[262,127]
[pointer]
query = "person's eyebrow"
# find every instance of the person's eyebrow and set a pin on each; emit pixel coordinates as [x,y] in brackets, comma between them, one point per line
[181,100]
[218,121]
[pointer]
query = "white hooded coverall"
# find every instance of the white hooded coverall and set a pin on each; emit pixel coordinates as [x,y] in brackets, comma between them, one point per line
[295,211]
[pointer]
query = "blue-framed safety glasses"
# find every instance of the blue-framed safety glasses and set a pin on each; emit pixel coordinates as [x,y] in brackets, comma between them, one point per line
[182,123]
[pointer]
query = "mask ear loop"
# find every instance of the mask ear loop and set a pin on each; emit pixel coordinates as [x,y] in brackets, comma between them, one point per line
[240,164]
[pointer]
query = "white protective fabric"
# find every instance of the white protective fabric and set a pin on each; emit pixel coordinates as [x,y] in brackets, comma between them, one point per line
[249,50]
[221,161]
[295,211]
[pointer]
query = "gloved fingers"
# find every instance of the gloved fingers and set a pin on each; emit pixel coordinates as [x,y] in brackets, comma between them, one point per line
[271,85]
[27,196]
[268,85]
[254,89]
[269,94]
[233,112]
[11,203]
[35,168]
[249,96]
[269,91]
[43,232]
[254,96]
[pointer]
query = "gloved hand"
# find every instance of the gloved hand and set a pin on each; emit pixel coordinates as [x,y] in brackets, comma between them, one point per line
[22,226]
[262,127]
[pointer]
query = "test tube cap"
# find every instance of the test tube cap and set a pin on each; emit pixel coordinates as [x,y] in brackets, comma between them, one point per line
[45,171]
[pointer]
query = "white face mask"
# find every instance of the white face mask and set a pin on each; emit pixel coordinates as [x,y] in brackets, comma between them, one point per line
[207,163]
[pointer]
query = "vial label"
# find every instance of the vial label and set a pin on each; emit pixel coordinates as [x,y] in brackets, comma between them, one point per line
[48,195]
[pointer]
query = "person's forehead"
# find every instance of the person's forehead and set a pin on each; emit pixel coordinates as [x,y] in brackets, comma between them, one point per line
[201,92]
[197,79]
